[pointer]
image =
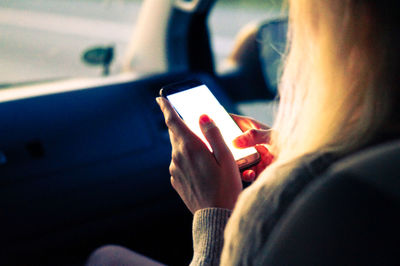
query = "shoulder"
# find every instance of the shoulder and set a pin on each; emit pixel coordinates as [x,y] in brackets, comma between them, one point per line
[261,205]
[282,183]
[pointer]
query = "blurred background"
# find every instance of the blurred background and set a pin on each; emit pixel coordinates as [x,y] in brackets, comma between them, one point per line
[44,39]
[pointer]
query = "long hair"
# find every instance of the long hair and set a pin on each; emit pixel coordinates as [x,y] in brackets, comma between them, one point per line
[340,83]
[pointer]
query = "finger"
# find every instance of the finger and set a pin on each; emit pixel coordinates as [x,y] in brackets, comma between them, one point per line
[252,137]
[249,175]
[266,158]
[245,123]
[214,138]
[172,119]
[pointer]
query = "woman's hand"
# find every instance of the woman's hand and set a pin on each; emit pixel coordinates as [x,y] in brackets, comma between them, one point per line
[255,135]
[201,178]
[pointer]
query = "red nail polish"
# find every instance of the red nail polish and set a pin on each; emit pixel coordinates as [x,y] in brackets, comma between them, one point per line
[204,119]
[249,175]
[252,175]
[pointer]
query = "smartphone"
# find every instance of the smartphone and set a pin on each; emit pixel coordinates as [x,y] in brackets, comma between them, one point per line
[191,99]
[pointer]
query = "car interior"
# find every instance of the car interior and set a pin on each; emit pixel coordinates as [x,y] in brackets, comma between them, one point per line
[85,163]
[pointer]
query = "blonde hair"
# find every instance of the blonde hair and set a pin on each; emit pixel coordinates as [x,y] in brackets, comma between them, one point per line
[339,82]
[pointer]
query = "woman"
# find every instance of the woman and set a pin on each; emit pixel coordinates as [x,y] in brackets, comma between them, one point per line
[337,95]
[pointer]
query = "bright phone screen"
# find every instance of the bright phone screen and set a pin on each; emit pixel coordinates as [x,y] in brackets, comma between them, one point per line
[194,102]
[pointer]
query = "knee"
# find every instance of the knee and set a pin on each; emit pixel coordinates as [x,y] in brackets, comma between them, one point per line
[107,255]
[117,255]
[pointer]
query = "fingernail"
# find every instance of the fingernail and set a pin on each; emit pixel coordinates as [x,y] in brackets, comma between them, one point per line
[158,100]
[236,143]
[252,175]
[239,141]
[206,122]
[249,176]
[205,119]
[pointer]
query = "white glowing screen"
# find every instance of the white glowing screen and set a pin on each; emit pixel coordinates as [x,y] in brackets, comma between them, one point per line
[192,103]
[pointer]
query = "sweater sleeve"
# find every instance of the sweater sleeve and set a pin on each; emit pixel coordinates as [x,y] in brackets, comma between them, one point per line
[208,235]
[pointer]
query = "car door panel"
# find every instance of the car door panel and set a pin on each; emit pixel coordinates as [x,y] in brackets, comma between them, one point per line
[90,167]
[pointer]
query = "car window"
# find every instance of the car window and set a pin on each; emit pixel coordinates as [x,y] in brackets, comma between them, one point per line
[229,16]
[226,20]
[45,40]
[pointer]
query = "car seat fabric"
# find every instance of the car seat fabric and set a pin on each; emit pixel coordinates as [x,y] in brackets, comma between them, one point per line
[350,216]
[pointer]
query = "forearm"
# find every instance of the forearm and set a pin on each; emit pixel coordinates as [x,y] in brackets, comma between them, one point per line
[208,235]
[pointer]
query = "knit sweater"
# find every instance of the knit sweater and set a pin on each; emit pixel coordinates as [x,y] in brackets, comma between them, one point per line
[223,237]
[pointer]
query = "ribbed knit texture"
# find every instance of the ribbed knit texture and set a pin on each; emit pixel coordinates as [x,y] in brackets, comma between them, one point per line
[208,231]
[258,209]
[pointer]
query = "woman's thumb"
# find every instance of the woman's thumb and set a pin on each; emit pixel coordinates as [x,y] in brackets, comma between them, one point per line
[252,137]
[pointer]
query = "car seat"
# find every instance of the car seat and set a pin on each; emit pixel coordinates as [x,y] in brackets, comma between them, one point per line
[350,216]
